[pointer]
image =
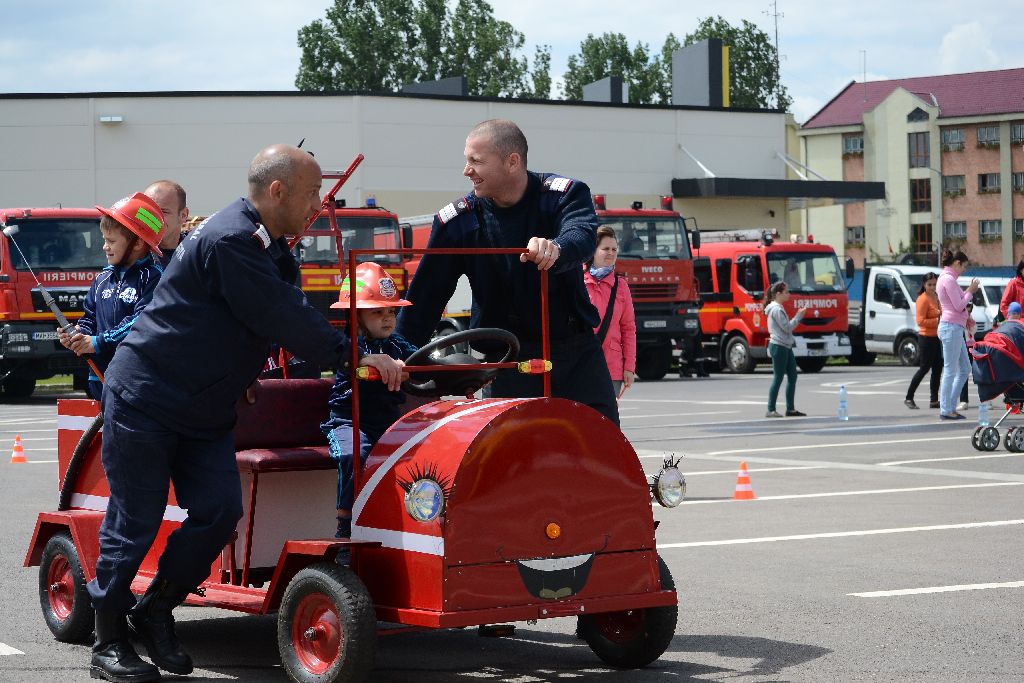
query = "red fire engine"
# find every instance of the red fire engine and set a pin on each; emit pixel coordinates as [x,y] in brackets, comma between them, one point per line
[368,227]
[654,256]
[734,269]
[64,248]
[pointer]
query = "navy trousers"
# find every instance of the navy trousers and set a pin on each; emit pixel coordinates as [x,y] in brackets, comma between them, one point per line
[579,372]
[141,457]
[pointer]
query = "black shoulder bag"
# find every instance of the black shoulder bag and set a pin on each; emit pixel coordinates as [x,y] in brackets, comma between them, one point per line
[606,322]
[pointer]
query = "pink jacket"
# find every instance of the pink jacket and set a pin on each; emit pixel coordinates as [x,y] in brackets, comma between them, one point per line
[952,299]
[620,343]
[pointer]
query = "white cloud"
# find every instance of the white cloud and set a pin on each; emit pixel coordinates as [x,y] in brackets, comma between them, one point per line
[967,47]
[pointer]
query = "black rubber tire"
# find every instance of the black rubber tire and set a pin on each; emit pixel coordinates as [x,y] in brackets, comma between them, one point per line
[1008,441]
[346,596]
[61,555]
[19,386]
[737,356]
[653,362]
[908,350]
[988,438]
[812,363]
[658,629]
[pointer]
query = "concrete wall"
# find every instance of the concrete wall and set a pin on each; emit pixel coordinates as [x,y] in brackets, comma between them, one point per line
[55,150]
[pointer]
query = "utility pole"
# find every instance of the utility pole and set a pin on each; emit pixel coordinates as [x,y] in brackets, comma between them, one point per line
[774,14]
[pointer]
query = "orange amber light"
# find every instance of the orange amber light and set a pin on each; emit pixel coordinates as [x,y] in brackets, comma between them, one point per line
[553,531]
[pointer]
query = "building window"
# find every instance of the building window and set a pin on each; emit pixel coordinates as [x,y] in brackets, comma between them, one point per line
[853,144]
[920,195]
[917,115]
[855,235]
[953,139]
[988,183]
[1018,182]
[921,234]
[1017,133]
[990,230]
[1018,228]
[953,185]
[954,230]
[918,150]
[988,136]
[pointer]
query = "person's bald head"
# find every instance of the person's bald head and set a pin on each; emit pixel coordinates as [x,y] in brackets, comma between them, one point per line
[170,197]
[284,186]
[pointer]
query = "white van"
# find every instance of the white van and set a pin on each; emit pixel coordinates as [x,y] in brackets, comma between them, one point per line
[987,297]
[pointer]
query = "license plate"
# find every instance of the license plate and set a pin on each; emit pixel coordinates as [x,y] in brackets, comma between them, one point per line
[648,324]
[815,352]
[43,336]
[690,324]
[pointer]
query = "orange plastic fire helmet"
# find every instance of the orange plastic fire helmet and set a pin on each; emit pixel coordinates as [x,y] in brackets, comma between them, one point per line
[141,216]
[374,289]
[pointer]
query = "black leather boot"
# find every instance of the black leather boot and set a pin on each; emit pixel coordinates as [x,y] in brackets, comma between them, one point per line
[152,623]
[113,657]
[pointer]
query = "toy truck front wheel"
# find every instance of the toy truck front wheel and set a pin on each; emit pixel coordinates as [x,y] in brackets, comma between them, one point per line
[634,638]
[66,606]
[326,626]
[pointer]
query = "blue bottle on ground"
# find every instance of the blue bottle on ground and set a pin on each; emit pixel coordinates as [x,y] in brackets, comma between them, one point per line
[844,411]
[983,415]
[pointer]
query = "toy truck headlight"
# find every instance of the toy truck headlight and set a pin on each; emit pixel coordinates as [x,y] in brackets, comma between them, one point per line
[669,485]
[424,500]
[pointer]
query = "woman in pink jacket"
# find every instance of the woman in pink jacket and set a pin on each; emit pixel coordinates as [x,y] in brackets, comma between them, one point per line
[956,365]
[619,343]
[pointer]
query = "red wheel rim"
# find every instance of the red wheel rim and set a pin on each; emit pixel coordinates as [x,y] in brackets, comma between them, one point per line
[60,587]
[316,633]
[620,627]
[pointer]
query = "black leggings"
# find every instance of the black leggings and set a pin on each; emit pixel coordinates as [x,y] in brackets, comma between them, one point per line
[931,359]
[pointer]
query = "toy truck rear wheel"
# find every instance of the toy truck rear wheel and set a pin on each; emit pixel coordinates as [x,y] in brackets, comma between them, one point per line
[66,606]
[634,638]
[326,626]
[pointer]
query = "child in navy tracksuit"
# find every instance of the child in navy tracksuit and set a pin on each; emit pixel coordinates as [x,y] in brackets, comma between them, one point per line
[131,229]
[377,301]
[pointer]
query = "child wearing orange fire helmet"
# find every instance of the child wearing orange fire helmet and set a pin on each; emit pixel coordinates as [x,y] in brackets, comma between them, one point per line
[377,303]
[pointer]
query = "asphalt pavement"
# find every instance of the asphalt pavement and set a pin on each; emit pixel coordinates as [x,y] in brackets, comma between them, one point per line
[884,548]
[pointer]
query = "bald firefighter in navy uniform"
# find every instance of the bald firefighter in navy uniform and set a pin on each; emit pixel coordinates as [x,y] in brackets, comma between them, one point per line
[553,218]
[169,404]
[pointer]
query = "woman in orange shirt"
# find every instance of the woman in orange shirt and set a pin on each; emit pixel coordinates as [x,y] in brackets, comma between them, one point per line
[929,347]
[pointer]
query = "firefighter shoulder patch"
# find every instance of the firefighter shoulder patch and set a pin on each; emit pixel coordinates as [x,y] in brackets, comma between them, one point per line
[262,236]
[450,211]
[557,184]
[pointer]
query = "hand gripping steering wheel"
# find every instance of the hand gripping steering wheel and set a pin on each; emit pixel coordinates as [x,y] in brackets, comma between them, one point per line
[460,382]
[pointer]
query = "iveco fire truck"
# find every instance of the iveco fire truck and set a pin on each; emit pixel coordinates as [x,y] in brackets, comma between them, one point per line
[64,248]
[369,227]
[734,270]
[654,256]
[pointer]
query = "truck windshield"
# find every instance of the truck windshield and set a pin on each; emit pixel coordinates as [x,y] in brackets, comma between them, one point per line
[913,283]
[646,237]
[64,244]
[318,247]
[806,271]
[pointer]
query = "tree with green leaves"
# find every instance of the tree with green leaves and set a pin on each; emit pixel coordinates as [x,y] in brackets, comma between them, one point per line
[753,63]
[610,55]
[380,45]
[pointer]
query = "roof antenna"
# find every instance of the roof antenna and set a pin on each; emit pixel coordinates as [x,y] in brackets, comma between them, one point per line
[864,66]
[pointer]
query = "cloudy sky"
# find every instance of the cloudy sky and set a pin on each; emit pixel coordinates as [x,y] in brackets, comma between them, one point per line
[145,45]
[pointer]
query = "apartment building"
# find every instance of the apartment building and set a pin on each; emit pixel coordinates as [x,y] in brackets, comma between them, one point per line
[950,150]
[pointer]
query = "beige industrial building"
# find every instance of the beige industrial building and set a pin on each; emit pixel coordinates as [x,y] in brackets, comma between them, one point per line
[726,168]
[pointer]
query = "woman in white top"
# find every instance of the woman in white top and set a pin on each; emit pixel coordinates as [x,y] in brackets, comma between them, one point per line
[780,347]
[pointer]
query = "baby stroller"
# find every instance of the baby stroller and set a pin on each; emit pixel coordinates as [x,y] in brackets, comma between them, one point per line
[998,368]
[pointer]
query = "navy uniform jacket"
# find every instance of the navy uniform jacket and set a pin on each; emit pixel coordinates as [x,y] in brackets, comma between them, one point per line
[379,408]
[206,335]
[117,297]
[506,292]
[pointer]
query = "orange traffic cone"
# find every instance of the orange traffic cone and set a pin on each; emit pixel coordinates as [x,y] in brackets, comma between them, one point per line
[744,491]
[18,453]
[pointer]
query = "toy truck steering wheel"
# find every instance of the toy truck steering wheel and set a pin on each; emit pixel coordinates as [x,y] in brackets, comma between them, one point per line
[464,382]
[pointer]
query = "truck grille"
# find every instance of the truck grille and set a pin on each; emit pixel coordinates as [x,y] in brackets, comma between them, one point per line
[68,300]
[817,322]
[658,290]
[322,300]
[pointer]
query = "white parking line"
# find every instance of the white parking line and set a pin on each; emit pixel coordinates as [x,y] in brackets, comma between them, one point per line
[842,534]
[960,457]
[8,650]
[838,445]
[733,470]
[857,493]
[939,589]
[40,462]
